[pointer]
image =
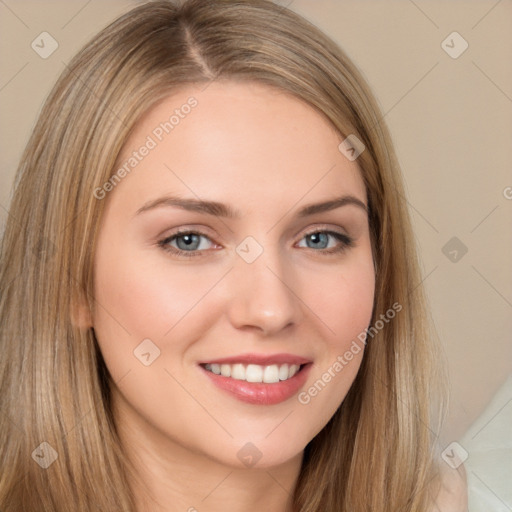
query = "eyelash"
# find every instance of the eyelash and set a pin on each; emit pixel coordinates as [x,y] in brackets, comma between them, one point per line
[346,243]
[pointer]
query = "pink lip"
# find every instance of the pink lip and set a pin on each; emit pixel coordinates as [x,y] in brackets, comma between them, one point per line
[260,393]
[262,360]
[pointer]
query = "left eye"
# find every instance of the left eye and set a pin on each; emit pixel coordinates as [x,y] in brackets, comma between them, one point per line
[322,237]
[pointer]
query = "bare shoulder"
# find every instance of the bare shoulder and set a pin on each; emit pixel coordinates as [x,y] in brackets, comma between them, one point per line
[451,494]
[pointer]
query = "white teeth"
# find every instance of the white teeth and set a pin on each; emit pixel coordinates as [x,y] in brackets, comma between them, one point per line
[294,368]
[255,372]
[271,374]
[225,370]
[283,372]
[238,371]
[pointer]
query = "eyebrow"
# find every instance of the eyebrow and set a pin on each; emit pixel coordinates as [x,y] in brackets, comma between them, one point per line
[222,210]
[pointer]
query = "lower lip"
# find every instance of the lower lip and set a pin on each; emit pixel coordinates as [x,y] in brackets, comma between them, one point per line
[260,393]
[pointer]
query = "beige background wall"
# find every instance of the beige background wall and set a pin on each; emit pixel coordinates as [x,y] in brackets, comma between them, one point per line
[451,120]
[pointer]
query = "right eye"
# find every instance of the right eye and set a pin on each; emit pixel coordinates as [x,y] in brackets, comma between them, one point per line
[188,243]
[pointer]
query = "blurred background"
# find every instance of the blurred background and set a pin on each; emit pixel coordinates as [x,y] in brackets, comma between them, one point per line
[442,73]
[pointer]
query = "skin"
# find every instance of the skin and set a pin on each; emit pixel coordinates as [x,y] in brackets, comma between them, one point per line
[267,155]
[453,492]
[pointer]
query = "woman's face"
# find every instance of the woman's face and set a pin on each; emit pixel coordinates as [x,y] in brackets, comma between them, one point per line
[261,283]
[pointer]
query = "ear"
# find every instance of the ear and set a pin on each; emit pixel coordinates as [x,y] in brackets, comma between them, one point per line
[81,316]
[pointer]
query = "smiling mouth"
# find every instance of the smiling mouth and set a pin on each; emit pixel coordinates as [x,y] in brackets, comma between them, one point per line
[268,374]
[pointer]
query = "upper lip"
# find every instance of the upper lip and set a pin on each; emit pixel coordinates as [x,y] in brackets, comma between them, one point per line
[260,359]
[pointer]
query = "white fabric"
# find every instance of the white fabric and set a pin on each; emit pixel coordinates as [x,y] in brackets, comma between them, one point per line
[489,464]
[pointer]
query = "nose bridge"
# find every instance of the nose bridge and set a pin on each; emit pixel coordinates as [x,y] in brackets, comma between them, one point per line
[262,296]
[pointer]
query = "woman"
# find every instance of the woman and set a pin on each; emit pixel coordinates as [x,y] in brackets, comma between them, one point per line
[246,367]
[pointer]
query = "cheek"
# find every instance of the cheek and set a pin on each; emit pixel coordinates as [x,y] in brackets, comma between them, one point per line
[353,309]
[146,301]
[343,300]
[344,307]
[138,298]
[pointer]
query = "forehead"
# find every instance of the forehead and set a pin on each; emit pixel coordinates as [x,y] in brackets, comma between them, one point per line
[237,141]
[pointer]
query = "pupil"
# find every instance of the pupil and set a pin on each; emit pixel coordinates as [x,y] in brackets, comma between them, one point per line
[187,240]
[315,237]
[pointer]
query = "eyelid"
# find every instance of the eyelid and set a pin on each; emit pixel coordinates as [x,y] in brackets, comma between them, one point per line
[324,227]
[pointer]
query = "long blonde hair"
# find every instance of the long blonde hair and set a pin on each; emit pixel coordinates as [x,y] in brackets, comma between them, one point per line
[376,453]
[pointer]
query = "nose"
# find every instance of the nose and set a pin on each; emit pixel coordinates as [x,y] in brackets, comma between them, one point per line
[262,295]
